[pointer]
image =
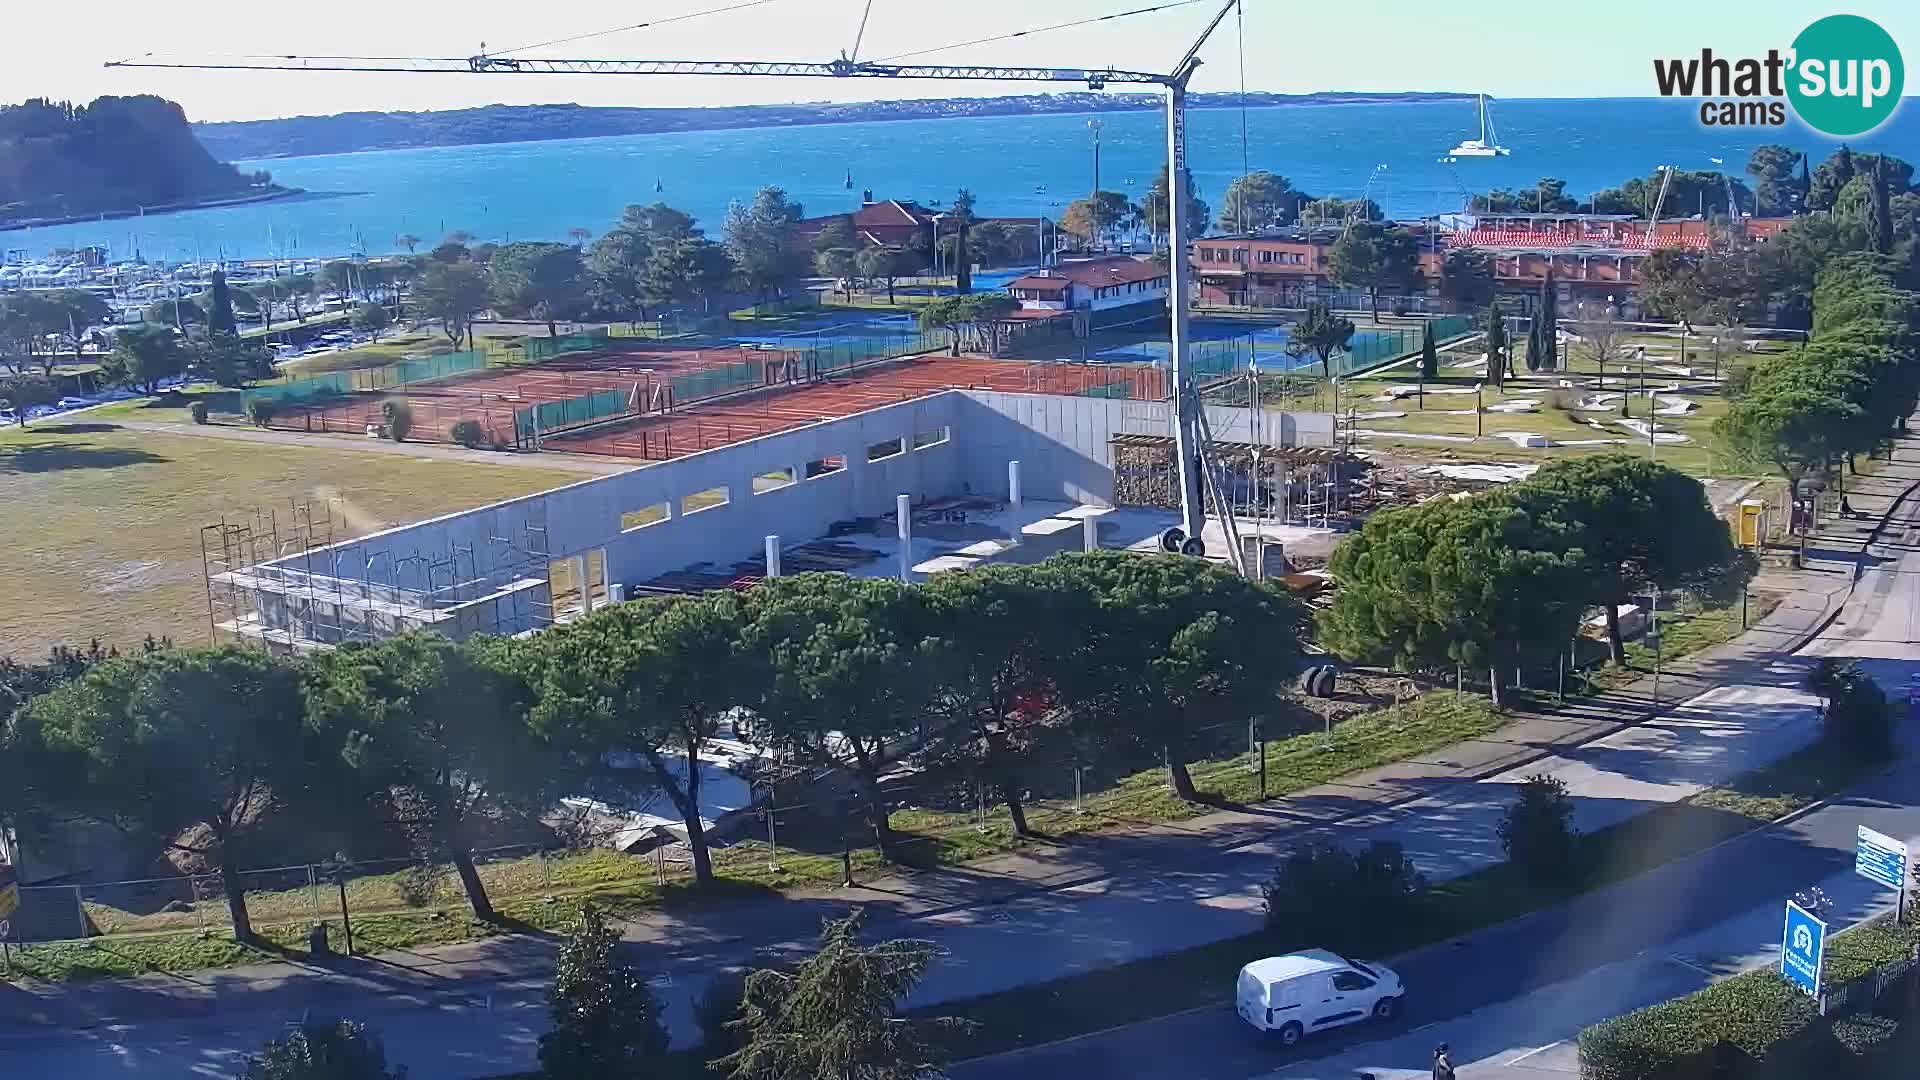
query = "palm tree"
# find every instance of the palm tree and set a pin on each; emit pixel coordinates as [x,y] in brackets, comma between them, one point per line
[580,236]
[407,240]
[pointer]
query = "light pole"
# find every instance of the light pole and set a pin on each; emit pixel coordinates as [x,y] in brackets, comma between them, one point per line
[1093,199]
[933,224]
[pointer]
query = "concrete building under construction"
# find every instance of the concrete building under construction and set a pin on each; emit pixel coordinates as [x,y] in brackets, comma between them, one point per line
[954,479]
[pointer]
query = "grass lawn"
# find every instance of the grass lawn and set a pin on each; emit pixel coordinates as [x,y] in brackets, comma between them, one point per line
[543,892]
[1682,632]
[1145,989]
[1451,415]
[102,534]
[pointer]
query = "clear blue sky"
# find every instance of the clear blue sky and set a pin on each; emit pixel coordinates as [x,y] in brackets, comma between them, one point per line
[1594,49]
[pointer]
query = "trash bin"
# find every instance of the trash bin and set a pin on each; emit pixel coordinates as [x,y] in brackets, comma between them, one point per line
[317,941]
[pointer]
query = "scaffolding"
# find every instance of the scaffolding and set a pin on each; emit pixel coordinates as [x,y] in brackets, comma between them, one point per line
[310,584]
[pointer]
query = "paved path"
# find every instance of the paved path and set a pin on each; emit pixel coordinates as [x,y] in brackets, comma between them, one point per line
[474,1009]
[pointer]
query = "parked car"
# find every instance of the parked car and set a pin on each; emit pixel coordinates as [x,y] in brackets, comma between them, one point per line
[1303,992]
[66,403]
[7,416]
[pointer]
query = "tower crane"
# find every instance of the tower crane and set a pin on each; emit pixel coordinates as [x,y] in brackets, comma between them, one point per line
[1187,448]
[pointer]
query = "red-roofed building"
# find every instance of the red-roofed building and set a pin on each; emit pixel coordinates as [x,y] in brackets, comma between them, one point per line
[890,223]
[1095,285]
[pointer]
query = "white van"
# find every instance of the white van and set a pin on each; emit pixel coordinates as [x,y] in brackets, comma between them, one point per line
[1314,990]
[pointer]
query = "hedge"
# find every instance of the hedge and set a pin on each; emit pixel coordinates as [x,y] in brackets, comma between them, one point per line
[1752,1025]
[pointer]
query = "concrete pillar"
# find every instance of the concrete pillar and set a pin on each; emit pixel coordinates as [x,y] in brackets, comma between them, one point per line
[773,556]
[1089,534]
[903,510]
[1013,483]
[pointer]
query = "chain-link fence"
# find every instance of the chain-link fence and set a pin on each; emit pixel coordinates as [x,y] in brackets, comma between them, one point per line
[553,417]
[296,895]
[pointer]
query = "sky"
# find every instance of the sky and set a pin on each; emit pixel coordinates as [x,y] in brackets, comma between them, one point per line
[1569,50]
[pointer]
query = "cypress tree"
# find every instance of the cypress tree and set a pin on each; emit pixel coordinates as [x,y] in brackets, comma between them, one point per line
[1496,335]
[1429,356]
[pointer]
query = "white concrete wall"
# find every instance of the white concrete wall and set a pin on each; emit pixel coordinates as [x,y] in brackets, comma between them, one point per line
[1062,443]
[587,515]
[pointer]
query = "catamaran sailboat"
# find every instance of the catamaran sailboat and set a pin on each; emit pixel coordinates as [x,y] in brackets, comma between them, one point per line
[1487,145]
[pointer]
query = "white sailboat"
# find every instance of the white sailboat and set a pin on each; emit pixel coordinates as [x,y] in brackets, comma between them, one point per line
[1488,144]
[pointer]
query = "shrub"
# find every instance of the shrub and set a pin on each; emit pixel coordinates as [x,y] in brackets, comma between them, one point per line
[418,885]
[1327,897]
[1857,720]
[1537,833]
[467,433]
[398,416]
[605,1021]
[340,1051]
[716,1011]
[1758,1025]
[261,410]
[198,410]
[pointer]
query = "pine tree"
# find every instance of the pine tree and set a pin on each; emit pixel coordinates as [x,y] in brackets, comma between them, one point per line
[606,1025]
[837,1014]
[1804,187]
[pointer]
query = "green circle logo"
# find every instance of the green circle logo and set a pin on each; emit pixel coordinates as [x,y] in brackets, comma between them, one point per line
[1847,75]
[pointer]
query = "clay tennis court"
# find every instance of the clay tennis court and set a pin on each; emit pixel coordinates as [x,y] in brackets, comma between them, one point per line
[692,428]
[491,396]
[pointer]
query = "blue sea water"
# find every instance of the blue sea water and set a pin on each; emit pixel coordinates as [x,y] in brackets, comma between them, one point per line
[1016,165]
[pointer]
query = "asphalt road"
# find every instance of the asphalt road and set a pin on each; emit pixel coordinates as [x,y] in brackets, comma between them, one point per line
[1511,999]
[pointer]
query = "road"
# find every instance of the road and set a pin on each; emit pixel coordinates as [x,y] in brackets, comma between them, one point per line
[1511,1000]
[1196,892]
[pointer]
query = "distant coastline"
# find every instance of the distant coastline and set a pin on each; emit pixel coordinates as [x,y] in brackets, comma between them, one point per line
[276,194]
[348,133]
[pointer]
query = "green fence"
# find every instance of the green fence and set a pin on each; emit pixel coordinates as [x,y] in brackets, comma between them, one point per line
[1380,346]
[312,388]
[334,384]
[550,417]
[419,369]
[715,381]
[546,348]
[823,356]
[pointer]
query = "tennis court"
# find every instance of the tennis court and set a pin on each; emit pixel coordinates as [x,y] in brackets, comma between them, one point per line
[688,430]
[647,373]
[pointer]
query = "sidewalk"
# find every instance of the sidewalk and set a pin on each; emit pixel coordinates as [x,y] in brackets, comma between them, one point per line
[1096,901]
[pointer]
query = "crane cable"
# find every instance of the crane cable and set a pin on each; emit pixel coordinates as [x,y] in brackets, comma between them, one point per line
[860,34]
[636,26]
[1041,30]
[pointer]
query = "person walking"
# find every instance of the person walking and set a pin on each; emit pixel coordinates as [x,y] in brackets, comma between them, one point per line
[1442,1063]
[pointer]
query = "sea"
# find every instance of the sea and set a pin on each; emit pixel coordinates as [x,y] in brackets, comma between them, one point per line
[1020,166]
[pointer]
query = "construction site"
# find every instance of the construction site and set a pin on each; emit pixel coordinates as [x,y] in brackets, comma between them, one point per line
[946,479]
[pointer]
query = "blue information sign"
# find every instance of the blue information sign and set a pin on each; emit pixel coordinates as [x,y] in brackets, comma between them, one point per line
[1803,946]
[1881,858]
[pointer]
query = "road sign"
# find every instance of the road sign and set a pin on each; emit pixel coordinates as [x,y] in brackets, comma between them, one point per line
[1803,948]
[1879,857]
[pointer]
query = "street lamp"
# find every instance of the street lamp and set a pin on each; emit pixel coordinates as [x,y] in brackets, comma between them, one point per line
[933,223]
[1093,200]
